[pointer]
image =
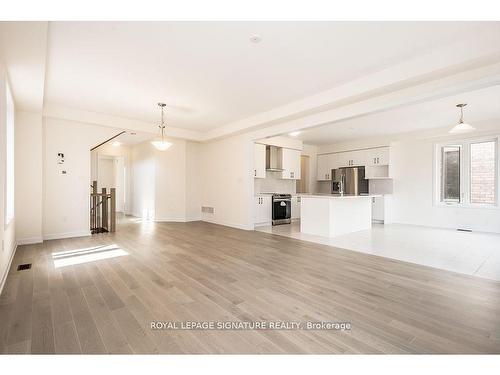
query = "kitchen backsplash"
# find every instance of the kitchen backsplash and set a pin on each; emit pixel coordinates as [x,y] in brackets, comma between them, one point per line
[274,184]
[375,187]
[380,186]
[324,187]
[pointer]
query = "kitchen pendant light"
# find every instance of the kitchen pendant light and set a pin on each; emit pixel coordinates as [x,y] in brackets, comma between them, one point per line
[461,127]
[161,145]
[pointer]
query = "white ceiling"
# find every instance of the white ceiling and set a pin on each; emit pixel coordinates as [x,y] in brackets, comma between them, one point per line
[482,105]
[22,49]
[132,137]
[209,74]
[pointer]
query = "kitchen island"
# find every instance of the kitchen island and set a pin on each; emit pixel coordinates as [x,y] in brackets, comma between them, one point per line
[330,215]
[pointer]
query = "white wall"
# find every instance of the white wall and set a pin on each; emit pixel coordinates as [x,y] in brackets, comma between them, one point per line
[170,167]
[105,173]
[413,181]
[281,141]
[66,196]
[273,183]
[227,180]
[120,182]
[312,152]
[193,181]
[29,182]
[121,158]
[142,181]
[7,234]
[412,168]
[166,184]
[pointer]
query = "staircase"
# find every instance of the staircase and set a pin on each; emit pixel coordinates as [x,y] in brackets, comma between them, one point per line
[102,210]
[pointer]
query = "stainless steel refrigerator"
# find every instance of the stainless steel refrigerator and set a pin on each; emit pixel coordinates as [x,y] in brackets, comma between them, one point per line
[349,181]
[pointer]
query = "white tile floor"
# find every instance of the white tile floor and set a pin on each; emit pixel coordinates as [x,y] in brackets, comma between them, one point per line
[470,253]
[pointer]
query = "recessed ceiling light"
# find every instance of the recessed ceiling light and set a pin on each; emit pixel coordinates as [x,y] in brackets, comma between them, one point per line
[294,134]
[116,143]
[255,38]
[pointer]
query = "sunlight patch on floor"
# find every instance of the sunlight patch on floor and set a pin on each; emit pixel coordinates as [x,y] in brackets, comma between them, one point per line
[86,255]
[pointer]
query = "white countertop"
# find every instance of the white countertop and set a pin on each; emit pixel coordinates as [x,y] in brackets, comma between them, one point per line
[338,196]
[325,195]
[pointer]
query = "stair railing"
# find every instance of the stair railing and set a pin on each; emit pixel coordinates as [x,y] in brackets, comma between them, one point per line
[102,210]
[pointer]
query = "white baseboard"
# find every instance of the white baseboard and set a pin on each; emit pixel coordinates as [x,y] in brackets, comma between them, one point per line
[56,236]
[29,240]
[227,224]
[256,225]
[175,219]
[193,219]
[4,276]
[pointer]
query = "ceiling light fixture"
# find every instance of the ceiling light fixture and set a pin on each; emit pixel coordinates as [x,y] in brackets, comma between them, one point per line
[461,127]
[161,145]
[116,143]
[294,134]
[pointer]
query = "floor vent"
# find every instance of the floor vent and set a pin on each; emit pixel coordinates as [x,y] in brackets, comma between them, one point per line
[464,230]
[26,266]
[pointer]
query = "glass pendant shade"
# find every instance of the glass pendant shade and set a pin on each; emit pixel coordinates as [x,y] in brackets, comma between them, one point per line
[461,127]
[161,145]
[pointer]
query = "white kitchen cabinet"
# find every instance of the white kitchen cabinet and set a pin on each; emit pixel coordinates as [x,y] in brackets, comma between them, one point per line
[378,156]
[295,207]
[262,209]
[333,162]
[376,160]
[378,164]
[324,168]
[259,160]
[351,158]
[290,164]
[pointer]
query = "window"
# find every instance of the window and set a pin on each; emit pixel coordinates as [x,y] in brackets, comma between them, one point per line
[467,172]
[450,174]
[482,172]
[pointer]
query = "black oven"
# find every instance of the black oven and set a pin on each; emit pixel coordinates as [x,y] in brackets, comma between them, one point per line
[282,209]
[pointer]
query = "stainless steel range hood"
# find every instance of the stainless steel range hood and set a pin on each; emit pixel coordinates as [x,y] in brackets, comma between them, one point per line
[274,158]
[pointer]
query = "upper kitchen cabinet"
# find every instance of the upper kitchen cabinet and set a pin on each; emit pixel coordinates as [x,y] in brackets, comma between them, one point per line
[324,168]
[378,156]
[326,163]
[351,158]
[290,164]
[376,160]
[378,164]
[259,160]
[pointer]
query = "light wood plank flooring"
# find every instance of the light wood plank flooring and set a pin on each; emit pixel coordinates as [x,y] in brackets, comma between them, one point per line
[204,272]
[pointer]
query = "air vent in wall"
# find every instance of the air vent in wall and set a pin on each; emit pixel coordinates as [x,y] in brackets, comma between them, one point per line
[26,266]
[207,210]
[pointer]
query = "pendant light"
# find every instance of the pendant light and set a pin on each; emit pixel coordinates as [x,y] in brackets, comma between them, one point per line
[161,145]
[461,127]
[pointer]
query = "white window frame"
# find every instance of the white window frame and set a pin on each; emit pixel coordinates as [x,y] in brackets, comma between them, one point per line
[9,196]
[465,172]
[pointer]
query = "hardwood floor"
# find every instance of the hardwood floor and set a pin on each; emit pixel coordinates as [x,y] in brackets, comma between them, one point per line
[204,272]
